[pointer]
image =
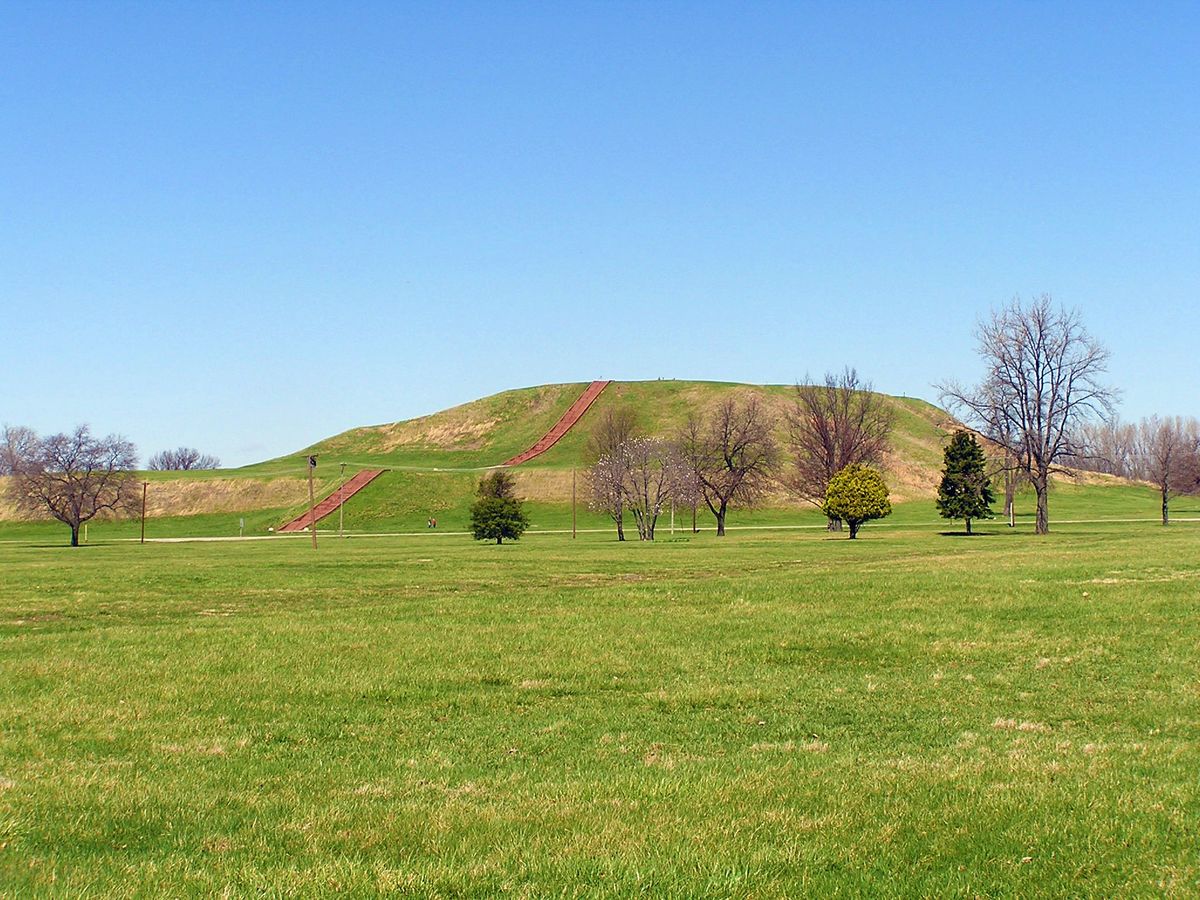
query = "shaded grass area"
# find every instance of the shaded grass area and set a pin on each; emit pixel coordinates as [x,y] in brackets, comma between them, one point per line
[770,714]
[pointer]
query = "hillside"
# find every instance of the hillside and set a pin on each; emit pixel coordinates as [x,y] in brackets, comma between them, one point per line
[435,460]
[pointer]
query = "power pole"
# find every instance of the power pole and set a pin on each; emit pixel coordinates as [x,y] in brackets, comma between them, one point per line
[572,504]
[341,501]
[145,484]
[312,502]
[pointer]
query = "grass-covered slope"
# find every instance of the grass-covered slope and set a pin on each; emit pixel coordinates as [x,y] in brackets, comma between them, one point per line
[481,433]
[434,460]
[434,463]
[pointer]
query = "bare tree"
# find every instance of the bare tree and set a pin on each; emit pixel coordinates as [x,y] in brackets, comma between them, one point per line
[1043,382]
[73,477]
[616,425]
[17,445]
[1005,464]
[833,425]
[1167,454]
[1106,447]
[731,454]
[182,459]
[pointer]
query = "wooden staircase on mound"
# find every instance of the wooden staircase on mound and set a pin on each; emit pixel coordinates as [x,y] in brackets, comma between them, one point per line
[563,425]
[330,503]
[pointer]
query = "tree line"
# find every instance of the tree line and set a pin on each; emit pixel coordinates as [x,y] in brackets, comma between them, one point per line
[731,456]
[1045,404]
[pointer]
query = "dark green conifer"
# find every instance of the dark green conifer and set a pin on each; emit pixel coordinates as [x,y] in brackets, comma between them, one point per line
[965,491]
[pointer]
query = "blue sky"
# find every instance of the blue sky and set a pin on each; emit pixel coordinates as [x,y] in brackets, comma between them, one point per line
[244,227]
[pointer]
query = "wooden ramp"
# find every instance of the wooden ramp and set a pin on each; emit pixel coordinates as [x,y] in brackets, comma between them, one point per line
[330,503]
[563,425]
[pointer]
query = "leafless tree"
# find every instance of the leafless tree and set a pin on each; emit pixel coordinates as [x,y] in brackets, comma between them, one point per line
[1043,381]
[616,425]
[1167,454]
[17,445]
[833,425]
[182,459]
[1004,462]
[1106,447]
[73,477]
[732,455]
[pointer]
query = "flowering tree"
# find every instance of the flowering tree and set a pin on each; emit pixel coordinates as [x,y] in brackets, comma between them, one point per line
[639,476]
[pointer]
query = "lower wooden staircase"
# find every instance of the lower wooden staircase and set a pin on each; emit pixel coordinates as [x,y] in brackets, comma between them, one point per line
[330,503]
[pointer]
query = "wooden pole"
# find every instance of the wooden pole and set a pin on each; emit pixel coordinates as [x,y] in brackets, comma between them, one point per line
[312,502]
[342,502]
[145,484]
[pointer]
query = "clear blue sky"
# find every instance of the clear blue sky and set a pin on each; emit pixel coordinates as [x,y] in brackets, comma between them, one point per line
[244,227]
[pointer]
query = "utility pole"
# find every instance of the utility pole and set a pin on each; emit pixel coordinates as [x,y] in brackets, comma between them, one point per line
[572,504]
[312,502]
[145,484]
[341,501]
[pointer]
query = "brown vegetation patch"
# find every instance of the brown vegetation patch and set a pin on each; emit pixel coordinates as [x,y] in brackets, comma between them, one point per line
[186,498]
[461,428]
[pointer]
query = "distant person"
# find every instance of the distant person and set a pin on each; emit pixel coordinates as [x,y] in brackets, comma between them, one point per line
[434,521]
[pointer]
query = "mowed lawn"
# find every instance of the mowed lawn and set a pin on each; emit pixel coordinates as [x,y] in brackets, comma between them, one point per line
[772,714]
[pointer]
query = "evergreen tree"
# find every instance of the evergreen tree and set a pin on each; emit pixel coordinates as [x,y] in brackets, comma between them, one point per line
[965,491]
[500,485]
[857,494]
[498,514]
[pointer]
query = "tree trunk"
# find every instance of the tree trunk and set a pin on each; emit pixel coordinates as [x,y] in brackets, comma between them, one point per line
[834,524]
[1010,491]
[1166,497]
[500,540]
[74,535]
[853,530]
[721,521]
[968,526]
[1041,486]
[695,530]
[620,527]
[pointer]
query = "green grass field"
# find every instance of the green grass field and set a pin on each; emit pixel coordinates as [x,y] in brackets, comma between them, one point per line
[778,713]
